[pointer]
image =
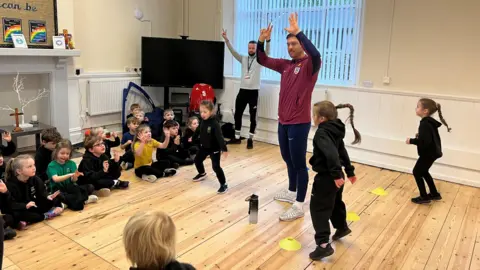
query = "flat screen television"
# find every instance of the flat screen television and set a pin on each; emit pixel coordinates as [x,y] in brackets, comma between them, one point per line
[181,63]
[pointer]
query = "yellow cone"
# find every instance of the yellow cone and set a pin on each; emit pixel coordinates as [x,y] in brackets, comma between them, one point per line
[290,244]
[351,216]
[379,191]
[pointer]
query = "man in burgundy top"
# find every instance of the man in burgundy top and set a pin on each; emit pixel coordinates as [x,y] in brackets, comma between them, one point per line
[298,78]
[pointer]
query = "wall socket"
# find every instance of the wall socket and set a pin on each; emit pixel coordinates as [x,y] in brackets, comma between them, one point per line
[133,69]
[386,80]
[128,69]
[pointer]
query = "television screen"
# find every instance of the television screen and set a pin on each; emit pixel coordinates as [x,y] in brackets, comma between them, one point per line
[181,63]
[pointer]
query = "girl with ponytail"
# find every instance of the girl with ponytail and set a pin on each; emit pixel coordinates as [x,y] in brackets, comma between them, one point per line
[429,148]
[329,156]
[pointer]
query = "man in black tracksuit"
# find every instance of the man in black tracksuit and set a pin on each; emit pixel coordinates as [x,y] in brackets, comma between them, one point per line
[329,155]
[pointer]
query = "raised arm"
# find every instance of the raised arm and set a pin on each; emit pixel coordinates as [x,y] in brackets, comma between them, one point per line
[232,50]
[262,58]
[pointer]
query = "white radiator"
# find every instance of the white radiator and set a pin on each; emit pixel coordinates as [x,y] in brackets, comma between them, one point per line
[104,96]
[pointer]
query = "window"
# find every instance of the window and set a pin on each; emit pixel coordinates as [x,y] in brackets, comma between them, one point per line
[331,25]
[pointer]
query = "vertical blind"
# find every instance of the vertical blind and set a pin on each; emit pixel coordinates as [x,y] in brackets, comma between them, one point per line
[332,26]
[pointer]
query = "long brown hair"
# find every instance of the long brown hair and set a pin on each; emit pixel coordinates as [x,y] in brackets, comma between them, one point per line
[329,111]
[15,164]
[139,130]
[62,144]
[432,107]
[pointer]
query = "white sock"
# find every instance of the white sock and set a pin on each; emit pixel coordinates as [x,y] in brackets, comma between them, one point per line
[292,193]
[237,134]
[299,204]
[115,182]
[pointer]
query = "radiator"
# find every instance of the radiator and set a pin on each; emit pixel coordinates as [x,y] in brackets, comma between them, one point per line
[104,96]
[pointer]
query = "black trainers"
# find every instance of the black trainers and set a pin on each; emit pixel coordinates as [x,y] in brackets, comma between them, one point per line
[222,189]
[234,141]
[175,166]
[188,161]
[435,197]
[249,144]
[9,233]
[200,177]
[169,172]
[421,200]
[320,253]
[122,184]
[340,234]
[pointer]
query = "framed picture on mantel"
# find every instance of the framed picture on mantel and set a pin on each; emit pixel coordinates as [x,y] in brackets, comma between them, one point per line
[35,19]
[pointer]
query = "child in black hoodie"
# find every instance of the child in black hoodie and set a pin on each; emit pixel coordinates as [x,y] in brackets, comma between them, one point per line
[212,144]
[43,156]
[98,169]
[191,138]
[429,148]
[149,239]
[29,199]
[107,140]
[329,155]
[6,151]
[175,153]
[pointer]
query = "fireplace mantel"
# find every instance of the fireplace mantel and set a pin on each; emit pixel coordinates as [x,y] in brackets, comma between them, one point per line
[39,52]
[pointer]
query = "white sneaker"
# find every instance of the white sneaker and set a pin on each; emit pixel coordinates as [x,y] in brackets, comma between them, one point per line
[285,196]
[91,199]
[291,214]
[149,178]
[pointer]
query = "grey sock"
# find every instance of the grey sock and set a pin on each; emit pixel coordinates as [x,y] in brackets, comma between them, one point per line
[250,136]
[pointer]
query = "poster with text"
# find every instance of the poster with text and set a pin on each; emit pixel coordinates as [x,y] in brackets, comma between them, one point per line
[11,26]
[38,32]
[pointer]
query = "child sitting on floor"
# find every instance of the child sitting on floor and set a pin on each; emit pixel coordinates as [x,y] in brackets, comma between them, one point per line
[7,151]
[128,158]
[63,175]
[191,138]
[149,240]
[175,153]
[169,115]
[98,169]
[7,214]
[43,156]
[143,146]
[107,140]
[30,202]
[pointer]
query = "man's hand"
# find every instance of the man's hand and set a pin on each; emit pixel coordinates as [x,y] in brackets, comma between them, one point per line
[293,28]
[7,136]
[224,35]
[265,33]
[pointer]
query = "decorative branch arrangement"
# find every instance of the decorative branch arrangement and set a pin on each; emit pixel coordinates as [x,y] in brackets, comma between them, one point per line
[18,87]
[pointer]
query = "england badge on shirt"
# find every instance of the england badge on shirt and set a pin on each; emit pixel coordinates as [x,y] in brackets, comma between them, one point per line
[297,69]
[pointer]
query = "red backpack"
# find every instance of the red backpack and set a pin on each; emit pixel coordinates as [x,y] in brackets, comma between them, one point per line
[200,92]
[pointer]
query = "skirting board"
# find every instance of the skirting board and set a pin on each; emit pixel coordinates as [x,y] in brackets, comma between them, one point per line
[266,132]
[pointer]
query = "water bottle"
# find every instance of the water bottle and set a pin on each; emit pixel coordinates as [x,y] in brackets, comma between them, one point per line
[253,209]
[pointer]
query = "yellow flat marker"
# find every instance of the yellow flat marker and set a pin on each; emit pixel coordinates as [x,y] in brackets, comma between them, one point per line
[351,216]
[379,191]
[290,244]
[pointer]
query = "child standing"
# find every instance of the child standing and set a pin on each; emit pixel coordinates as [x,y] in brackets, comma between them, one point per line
[149,240]
[30,201]
[43,156]
[174,153]
[329,154]
[143,146]
[128,158]
[429,148]
[191,138]
[212,144]
[98,169]
[63,175]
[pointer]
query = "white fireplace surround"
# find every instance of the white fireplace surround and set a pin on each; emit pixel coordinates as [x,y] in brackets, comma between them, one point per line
[44,61]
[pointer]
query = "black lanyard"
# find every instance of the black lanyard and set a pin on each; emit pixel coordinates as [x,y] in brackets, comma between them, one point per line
[250,64]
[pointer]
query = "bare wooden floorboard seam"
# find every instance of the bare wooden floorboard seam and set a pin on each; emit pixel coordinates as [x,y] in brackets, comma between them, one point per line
[477,245]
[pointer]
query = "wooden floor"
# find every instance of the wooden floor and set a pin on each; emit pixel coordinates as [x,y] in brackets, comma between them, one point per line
[213,230]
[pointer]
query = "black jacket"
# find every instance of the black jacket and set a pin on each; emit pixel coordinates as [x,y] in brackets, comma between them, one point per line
[43,157]
[172,148]
[428,142]
[23,193]
[171,266]
[195,135]
[211,137]
[109,144]
[329,153]
[9,149]
[92,167]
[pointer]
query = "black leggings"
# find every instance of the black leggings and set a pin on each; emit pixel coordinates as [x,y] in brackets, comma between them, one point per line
[420,172]
[245,97]
[37,214]
[74,196]
[326,204]
[157,169]
[128,157]
[215,157]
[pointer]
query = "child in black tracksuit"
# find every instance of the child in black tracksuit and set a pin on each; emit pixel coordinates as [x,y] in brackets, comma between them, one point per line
[43,156]
[429,148]
[175,153]
[191,138]
[329,155]
[212,144]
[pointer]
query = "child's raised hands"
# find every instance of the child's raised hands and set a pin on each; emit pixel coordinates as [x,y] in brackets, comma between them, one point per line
[7,136]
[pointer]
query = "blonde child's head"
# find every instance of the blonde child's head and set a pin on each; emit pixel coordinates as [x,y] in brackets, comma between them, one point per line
[135,107]
[22,166]
[193,123]
[142,131]
[168,114]
[62,152]
[149,240]
[140,115]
